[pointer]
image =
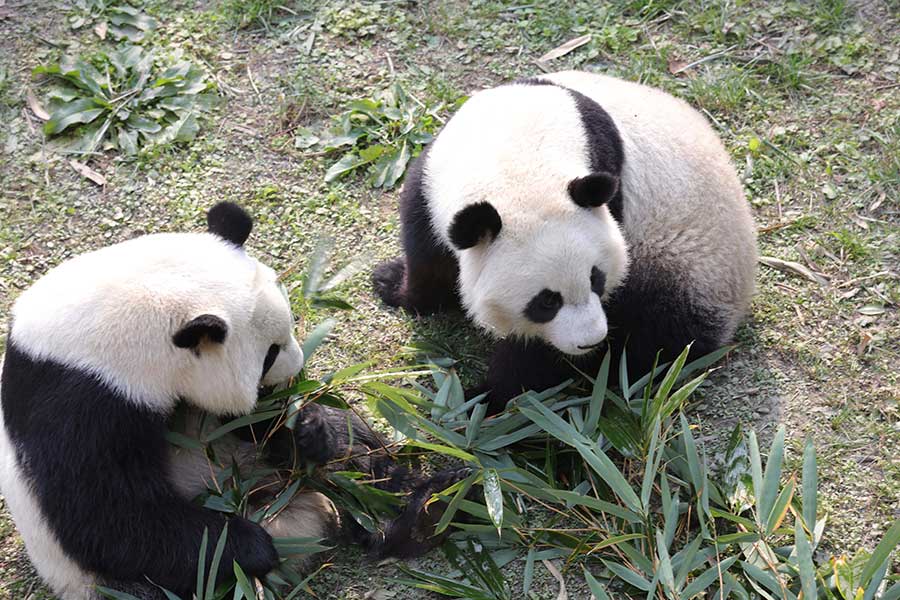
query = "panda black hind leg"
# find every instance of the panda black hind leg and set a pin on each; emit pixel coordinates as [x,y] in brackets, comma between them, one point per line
[424,280]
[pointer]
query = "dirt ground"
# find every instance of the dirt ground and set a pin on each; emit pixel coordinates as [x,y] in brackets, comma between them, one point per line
[804,94]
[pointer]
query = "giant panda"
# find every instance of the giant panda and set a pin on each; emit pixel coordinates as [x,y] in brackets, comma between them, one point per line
[572,212]
[100,352]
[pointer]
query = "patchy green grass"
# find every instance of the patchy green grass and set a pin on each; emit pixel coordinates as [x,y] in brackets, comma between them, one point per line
[804,94]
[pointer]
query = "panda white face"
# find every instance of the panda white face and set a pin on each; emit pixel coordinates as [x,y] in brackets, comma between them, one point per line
[258,348]
[548,281]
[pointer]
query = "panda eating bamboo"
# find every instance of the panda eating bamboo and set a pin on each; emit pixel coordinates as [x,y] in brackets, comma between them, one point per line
[100,351]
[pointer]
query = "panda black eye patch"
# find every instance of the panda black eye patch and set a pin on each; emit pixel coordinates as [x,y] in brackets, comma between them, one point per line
[598,281]
[544,306]
[271,355]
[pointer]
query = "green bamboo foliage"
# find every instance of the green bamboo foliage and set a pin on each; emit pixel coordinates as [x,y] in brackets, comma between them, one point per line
[651,519]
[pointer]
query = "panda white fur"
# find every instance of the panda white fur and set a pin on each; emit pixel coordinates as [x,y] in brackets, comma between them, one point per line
[100,351]
[571,211]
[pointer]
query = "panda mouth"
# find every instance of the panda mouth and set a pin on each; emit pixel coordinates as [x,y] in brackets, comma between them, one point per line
[592,346]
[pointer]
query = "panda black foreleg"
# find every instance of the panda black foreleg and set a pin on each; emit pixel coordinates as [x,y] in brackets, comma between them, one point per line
[423,281]
[518,365]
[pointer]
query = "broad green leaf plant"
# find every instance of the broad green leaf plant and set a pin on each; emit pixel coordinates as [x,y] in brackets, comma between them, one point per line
[119,20]
[376,136]
[126,99]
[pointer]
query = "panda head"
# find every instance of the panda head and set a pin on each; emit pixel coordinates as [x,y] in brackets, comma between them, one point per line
[253,336]
[543,277]
[167,317]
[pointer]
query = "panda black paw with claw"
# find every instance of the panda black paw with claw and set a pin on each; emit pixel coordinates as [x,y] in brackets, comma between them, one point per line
[251,547]
[388,281]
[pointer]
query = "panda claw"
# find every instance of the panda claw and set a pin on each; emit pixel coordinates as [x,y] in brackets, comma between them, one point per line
[252,547]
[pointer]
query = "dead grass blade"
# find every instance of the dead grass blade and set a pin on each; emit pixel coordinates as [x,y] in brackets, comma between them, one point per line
[792,267]
[564,49]
[87,172]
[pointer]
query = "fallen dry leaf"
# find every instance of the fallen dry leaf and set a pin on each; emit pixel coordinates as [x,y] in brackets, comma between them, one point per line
[100,29]
[792,267]
[36,107]
[87,172]
[676,66]
[563,594]
[871,310]
[564,49]
[864,339]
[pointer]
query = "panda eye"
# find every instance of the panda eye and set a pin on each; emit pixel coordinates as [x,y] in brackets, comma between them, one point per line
[544,306]
[598,281]
[271,355]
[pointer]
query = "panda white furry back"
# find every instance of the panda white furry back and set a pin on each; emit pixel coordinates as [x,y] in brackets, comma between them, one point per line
[571,213]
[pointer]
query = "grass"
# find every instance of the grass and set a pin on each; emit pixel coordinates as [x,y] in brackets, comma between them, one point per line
[823,180]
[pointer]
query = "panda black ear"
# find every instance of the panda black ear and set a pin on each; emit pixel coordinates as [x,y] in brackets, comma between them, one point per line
[209,327]
[594,190]
[230,222]
[473,223]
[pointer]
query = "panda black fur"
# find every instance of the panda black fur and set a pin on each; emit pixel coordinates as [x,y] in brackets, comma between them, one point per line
[564,208]
[100,351]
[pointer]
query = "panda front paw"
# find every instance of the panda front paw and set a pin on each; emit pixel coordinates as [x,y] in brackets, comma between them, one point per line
[315,439]
[251,547]
[387,279]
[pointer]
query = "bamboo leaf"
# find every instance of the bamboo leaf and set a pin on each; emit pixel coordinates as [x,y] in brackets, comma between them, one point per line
[493,497]
[892,593]
[240,422]
[665,563]
[598,394]
[882,552]
[629,576]
[615,540]
[756,473]
[685,560]
[665,386]
[595,457]
[707,578]
[805,562]
[474,423]
[243,582]
[597,589]
[528,575]
[772,477]
[116,595]
[810,486]
[214,566]
[779,510]
[201,564]
[443,449]
[316,337]
[767,580]
[623,375]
